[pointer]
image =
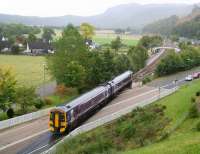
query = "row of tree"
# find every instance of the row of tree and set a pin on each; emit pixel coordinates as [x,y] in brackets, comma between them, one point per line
[74,65]
[174,62]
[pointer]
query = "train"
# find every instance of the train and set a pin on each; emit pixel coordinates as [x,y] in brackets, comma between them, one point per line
[65,118]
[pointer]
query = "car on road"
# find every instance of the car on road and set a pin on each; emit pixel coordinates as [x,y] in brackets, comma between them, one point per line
[189,78]
[196,75]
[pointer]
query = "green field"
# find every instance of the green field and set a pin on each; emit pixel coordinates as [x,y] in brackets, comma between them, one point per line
[103,38]
[106,39]
[185,139]
[29,70]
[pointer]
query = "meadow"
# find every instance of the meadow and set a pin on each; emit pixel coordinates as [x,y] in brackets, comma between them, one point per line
[29,70]
[108,38]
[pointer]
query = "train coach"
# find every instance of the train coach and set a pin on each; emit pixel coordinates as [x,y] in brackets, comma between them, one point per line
[66,117]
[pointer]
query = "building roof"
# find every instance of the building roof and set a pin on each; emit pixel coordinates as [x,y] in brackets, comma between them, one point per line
[40,45]
[5,44]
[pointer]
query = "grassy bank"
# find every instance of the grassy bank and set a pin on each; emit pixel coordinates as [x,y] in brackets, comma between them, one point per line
[29,70]
[184,139]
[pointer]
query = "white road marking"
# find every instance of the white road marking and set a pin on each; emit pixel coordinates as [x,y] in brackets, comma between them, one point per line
[131,98]
[22,140]
[37,149]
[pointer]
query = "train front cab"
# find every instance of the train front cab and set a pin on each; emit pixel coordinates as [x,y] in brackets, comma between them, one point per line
[57,121]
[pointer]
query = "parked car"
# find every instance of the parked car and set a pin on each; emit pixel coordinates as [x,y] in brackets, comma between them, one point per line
[196,75]
[189,78]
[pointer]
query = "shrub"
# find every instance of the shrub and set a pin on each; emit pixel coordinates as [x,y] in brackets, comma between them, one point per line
[198,93]
[125,129]
[198,126]
[39,104]
[193,99]
[15,49]
[146,80]
[193,112]
[63,90]
[48,101]
[10,113]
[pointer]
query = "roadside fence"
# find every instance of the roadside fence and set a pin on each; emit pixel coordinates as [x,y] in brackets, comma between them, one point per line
[24,118]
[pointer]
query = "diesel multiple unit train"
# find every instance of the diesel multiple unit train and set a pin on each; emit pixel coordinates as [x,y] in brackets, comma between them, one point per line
[67,117]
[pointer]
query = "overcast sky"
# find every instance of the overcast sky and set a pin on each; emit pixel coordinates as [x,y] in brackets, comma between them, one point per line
[65,7]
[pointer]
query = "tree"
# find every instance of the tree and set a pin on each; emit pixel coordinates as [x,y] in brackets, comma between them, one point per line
[122,63]
[26,98]
[138,56]
[48,34]
[7,88]
[150,41]
[87,30]
[71,53]
[31,38]
[15,49]
[116,44]
[170,64]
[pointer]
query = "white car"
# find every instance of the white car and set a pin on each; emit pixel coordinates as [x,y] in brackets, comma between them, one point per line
[189,78]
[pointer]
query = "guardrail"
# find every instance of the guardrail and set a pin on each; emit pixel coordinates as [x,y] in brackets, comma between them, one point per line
[24,118]
[87,127]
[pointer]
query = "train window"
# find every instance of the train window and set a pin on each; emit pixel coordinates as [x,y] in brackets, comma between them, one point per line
[62,117]
[72,115]
[51,115]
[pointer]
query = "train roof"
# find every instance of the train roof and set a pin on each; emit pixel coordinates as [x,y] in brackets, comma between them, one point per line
[83,98]
[122,76]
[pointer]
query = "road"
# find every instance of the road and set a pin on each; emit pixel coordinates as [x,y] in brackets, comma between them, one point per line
[34,137]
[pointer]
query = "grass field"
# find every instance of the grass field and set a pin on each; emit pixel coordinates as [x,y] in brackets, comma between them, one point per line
[29,70]
[185,139]
[106,39]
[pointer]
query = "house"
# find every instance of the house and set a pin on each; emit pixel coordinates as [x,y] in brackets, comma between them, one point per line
[39,48]
[5,45]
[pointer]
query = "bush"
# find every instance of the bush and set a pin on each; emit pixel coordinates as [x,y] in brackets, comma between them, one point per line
[15,49]
[198,126]
[127,130]
[48,101]
[39,104]
[146,80]
[10,113]
[193,112]
[63,90]
[198,93]
[193,99]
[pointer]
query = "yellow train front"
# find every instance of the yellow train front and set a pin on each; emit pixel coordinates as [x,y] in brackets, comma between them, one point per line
[57,121]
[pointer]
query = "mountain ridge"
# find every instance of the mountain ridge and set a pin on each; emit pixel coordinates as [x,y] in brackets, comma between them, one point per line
[121,16]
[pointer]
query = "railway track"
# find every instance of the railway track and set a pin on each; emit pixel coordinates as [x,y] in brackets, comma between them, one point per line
[148,69]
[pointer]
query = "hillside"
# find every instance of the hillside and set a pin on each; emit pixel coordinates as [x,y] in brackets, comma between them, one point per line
[122,16]
[187,26]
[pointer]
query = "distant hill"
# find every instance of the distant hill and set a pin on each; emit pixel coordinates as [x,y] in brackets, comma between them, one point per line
[188,26]
[121,16]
